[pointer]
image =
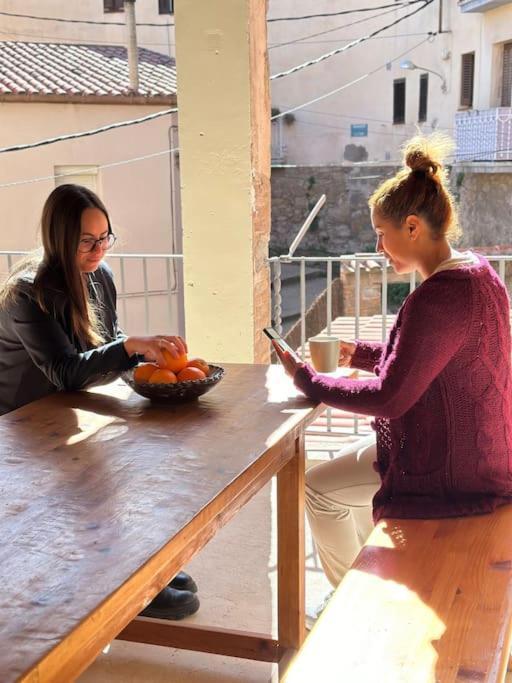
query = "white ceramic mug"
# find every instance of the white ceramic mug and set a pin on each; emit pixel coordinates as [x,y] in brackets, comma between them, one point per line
[325,352]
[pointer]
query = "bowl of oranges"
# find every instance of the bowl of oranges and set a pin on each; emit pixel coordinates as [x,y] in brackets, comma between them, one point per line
[181,380]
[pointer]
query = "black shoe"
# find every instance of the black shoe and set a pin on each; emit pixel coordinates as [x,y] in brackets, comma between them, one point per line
[172,604]
[183,582]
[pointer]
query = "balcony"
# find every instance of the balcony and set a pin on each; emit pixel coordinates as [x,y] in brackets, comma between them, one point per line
[481,5]
[484,135]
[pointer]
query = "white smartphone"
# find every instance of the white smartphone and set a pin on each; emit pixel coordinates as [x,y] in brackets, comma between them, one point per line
[273,335]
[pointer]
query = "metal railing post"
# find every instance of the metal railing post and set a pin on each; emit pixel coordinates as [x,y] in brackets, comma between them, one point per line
[303,307]
[277,307]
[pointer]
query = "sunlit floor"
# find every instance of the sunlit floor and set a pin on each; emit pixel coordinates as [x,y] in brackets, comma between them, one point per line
[236,574]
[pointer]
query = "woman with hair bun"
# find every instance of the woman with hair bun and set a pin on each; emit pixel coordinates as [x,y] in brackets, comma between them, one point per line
[442,398]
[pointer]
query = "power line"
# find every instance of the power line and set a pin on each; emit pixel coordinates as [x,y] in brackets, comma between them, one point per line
[347,85]
[372,132]
[331,30]
[93,22]
[80,41]
[102,166]
[366,118]
[337,40]
[359,41]
[346,11]
[81,21]
[94,131]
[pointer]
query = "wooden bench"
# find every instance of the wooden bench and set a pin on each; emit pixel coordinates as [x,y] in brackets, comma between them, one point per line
[425,601]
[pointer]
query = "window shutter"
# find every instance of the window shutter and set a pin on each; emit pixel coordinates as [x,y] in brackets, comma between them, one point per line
[506,90]
[422,114]
[467,77]
[399,100]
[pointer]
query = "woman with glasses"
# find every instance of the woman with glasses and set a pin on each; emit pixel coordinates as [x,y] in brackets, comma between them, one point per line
[59,330]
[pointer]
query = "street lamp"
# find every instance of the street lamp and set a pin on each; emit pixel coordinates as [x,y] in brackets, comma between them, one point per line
[410,66]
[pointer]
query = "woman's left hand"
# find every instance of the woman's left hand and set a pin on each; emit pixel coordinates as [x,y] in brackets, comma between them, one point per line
[290,364]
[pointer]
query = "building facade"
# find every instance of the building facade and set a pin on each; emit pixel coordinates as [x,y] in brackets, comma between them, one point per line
[432,70]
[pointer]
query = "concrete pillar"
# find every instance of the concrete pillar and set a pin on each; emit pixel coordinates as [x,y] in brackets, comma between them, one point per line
[224,126]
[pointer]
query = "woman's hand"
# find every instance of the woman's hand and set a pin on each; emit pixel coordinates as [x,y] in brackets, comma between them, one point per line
[290,364]
[347,350]
[152,347]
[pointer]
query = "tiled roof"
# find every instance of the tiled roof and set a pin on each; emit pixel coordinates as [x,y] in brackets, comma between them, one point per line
[66,70]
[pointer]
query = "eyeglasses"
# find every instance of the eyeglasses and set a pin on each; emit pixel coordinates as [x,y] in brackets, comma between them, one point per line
[88,244]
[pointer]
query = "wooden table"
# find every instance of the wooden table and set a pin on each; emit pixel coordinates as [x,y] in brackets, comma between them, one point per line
[104,498]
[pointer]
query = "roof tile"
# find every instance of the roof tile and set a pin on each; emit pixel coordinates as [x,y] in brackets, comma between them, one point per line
[64,69]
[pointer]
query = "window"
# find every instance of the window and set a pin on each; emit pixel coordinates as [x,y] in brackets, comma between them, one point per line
[399,100]
[422,114]
[113,5]
[79,175]
[467,78]
[506,87]
[165,6]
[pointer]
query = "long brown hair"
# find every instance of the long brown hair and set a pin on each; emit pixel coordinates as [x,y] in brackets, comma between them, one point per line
[56,267]
[421,188]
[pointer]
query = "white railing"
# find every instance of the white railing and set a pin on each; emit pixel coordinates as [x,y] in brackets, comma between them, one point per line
[484,135]
[149,289]
[353,263]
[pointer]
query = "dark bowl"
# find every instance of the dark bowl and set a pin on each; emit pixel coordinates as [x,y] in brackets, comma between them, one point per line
[175,393]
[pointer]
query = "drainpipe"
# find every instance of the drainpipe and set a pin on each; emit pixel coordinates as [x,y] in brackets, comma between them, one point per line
[131,31]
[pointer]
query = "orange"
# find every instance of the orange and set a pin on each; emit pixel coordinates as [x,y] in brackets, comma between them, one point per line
[163,376]
[143,372]
[174,364]
[200,364]
[188,374]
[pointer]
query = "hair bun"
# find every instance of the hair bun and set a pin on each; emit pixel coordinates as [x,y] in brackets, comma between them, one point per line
[417,160]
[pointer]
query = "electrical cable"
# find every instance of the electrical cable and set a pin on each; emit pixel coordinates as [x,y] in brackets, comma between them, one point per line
[82,21]
[366,118]
[331,30]
[346,11]
[94,131]
[347,85]
[93,22]
[350,45]
[101,166]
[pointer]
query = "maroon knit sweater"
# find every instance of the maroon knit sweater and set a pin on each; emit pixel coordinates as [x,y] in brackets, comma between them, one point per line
[442,398]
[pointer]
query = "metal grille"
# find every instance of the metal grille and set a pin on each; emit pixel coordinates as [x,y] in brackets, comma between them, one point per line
[467,78]
[484,135]
[422,114]
[506,90]
[399,100]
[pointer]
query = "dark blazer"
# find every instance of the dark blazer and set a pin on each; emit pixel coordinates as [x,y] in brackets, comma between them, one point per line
[39,353]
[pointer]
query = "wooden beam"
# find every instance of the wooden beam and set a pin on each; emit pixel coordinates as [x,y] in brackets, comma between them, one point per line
[218,641]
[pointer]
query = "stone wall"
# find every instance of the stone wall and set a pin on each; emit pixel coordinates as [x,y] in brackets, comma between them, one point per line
[343,225]
[485,207]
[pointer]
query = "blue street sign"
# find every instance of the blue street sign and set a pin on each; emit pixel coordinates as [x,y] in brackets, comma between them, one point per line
[359,130]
